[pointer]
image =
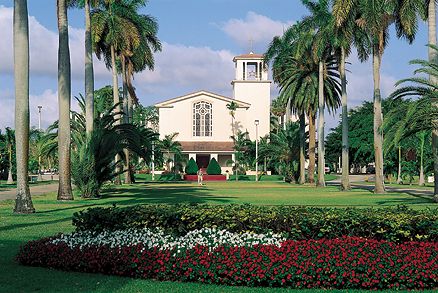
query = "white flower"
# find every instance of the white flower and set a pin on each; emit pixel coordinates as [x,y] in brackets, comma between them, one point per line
[150,238]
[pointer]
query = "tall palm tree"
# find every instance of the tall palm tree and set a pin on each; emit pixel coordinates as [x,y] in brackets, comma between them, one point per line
[281,49]
[64,92]
[375,18]
[320,20]
[232,107]
[345,35]
[89,71]
[23,201]
[423,114]
[116,35]
[139,59]
[431,21]
[297,73]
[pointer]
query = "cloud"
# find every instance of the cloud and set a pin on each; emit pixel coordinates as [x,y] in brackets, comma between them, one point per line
[48,99]
[258,28]
[44,49]
[185,68]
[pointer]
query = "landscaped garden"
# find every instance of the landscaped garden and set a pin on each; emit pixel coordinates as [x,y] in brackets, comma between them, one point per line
[54,217]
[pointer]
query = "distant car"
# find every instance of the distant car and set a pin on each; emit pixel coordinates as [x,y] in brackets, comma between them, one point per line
[371,170]
[327,169]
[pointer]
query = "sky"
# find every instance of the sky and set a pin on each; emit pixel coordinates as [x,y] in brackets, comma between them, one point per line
[200,39]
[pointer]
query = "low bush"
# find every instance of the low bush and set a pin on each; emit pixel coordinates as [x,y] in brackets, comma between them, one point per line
[213,168]
[345,263]
[393,224]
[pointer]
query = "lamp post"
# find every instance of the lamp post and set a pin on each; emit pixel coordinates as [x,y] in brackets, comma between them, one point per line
[39,116]
[256,122]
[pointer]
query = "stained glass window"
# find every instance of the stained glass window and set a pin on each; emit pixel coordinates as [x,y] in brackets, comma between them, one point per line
[202,119]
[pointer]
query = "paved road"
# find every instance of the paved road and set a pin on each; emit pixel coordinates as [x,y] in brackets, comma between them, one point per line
[34,190]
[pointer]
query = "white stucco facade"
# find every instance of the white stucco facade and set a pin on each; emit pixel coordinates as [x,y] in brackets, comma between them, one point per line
[203,122]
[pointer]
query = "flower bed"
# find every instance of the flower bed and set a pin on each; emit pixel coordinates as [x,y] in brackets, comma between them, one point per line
[348,262]
[393,224]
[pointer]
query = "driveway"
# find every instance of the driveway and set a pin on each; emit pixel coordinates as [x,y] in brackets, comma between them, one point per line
[34,190]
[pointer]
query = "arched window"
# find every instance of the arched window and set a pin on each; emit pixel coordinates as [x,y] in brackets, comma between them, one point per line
[202,119]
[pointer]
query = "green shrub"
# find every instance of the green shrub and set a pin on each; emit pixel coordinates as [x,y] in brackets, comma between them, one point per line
[213,168]
[393,224]
[192,167]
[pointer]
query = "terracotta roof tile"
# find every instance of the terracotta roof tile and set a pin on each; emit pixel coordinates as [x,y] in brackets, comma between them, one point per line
[213,146]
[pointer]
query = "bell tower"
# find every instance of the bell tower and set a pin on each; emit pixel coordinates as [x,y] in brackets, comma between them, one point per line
[251,85]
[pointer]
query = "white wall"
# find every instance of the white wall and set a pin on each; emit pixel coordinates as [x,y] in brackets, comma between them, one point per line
[258,95]
[179,119]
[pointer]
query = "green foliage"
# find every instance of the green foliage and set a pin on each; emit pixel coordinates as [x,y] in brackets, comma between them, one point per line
[214,168]
[192,167]
[394,224]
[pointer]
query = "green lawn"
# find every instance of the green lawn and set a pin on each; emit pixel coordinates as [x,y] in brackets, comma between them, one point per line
[53,217]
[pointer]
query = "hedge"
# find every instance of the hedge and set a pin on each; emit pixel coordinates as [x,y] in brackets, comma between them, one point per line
[394,224]
[346,263]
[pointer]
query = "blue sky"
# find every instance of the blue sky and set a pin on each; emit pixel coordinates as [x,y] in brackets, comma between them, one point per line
[200,38]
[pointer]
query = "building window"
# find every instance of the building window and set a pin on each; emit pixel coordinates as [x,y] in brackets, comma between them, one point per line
[202,119]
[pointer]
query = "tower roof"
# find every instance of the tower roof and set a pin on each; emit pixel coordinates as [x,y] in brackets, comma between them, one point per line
[250,55]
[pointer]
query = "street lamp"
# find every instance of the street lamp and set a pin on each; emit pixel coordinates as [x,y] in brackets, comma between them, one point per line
[39,116]
[256,122]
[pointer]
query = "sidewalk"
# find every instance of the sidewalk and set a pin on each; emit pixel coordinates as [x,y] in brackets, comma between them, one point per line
[34,190]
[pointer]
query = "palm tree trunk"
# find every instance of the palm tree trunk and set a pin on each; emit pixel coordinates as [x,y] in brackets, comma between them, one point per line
[422,139]
[64,92]
[10,179]
[302,148]
[128,179]
[433,58]
[312,136]
[378,118]
[321,159]
[399,179]
[89,72]
[235,154]
[116,98]
[345,180]
[23,201]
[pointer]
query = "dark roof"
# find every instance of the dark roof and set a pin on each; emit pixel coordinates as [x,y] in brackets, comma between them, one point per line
[213,146]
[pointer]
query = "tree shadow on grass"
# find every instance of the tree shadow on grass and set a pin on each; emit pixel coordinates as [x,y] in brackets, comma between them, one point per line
[418,196]
[154,193]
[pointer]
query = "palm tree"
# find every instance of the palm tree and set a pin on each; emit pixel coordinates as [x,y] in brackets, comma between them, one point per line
[279,51]
[232,107]
[170,145]
[375,18]
[431,21]
[89,71]
[346,34]
[23,201]
[284,147]
[114,33]
[64,92]
[139,59]
[423,115]
[320,20]
[297,73]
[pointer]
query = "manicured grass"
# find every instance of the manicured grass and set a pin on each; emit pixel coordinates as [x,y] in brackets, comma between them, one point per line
[53,217]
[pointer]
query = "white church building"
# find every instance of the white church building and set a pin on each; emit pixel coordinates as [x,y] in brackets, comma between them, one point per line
[203,122]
